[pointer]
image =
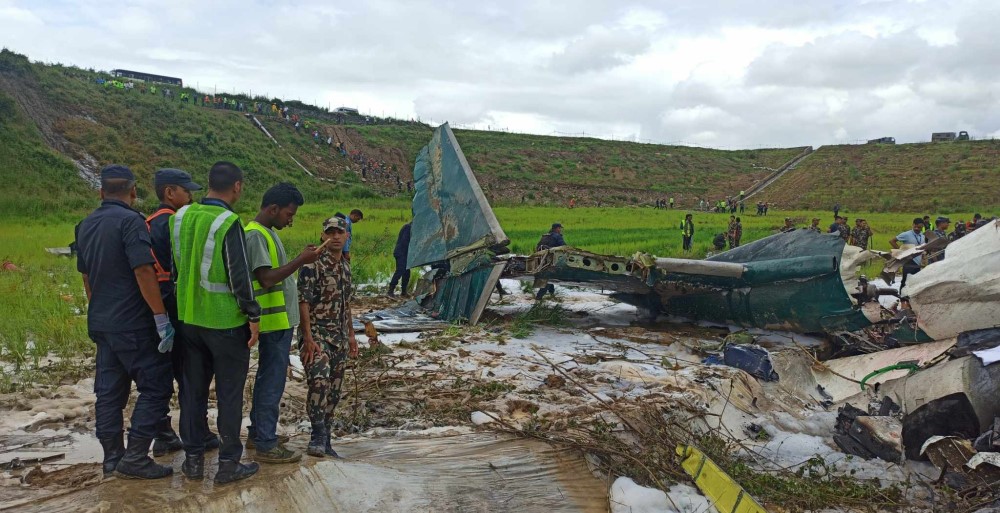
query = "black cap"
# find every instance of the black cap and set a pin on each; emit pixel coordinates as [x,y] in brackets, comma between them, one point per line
[942,219]
[556,225]
[174,177]
[116,171]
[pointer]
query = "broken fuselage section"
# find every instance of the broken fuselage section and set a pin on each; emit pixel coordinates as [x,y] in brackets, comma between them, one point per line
[797,281]
[791,281]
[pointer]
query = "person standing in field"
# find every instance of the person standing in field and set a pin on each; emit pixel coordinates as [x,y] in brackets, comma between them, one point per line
[671,202]
[789,226]
[173,188]
[861,234]
[327,333]
[910,238]
[737,233]
[836,210]
[401,253]
[275,290]
[128,322]
[551,239]
[687,232]
[220,316]
[354,217]
[814,227]
[839,227]
[940,231]
[731,232]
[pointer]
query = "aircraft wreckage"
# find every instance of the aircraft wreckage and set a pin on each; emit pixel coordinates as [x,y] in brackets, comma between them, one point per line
[799,281]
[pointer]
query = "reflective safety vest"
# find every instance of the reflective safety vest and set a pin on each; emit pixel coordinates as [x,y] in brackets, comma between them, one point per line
[204,297]
[687,228]
[273,311]
[162,273]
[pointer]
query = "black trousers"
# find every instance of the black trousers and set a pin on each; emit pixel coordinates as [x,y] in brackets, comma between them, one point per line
[687,242]
[908,269]
[123,358]
[401,273]
[222,354]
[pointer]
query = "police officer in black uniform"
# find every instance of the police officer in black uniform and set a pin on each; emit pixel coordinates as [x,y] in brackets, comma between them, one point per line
[128,322]
[174,189]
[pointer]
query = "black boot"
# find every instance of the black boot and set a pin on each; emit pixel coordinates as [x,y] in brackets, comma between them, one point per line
[166,440]
[230,471]
[194,467]
[136,464]
[114,450]
[318,441]
[328,443]
[211,441]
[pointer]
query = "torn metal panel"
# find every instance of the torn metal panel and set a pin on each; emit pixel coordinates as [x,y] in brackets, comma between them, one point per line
[576,266]
[724,492]
[464,296]
[962,292]
[407,317]
[841,376]
[451,215]
[953,397]
[789,281]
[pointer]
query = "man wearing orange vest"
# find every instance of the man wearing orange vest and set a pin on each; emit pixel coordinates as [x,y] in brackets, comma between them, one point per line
[275,289]
[173,188]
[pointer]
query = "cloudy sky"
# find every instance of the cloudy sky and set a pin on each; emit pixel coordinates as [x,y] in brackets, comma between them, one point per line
[725,74]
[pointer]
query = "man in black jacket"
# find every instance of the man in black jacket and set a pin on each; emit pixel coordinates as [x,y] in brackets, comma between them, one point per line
[173,188]
[401,253]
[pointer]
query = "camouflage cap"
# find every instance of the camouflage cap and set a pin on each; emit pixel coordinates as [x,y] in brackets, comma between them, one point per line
[335,222]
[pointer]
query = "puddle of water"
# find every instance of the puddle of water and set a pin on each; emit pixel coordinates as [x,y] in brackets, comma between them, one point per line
[466,473]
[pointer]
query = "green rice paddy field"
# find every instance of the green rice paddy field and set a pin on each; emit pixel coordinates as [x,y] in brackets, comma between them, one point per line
[40,304]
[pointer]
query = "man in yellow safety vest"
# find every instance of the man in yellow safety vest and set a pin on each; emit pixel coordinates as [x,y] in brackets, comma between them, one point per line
[274,286]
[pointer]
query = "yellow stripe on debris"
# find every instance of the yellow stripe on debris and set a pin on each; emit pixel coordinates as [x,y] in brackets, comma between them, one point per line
[725,494]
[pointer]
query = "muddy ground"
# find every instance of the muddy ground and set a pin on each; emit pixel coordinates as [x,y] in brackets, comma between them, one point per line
[455,420]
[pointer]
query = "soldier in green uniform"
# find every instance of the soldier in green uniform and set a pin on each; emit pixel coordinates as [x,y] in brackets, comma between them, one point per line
[861,234]
[327,332]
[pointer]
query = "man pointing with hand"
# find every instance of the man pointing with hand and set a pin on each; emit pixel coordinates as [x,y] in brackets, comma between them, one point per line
[274,288]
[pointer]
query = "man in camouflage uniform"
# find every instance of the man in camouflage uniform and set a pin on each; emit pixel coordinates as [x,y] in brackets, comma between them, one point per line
[814,227]
[861,234]
[940,231]
[731,232]
[326,331]
[841,229]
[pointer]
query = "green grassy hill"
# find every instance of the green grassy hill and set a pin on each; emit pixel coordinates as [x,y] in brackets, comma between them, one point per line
[61,113]
[929,177]
[59,127]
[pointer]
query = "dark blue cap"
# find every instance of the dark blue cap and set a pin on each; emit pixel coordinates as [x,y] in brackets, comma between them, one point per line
[556,225]
[116,171]
[174,177]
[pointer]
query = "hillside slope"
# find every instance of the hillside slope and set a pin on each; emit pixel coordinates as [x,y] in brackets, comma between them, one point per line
[59,127]
[64,127]
[929,177]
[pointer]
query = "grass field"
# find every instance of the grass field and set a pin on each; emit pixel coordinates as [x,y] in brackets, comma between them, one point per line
[42,302]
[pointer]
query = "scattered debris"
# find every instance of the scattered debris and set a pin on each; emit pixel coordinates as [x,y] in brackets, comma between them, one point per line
[724,493]
[753,359]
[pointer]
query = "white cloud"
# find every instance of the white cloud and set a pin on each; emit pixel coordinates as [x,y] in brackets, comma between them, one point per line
[727,73]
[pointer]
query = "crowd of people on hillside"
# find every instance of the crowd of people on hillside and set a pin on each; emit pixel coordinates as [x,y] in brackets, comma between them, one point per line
[241,103]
